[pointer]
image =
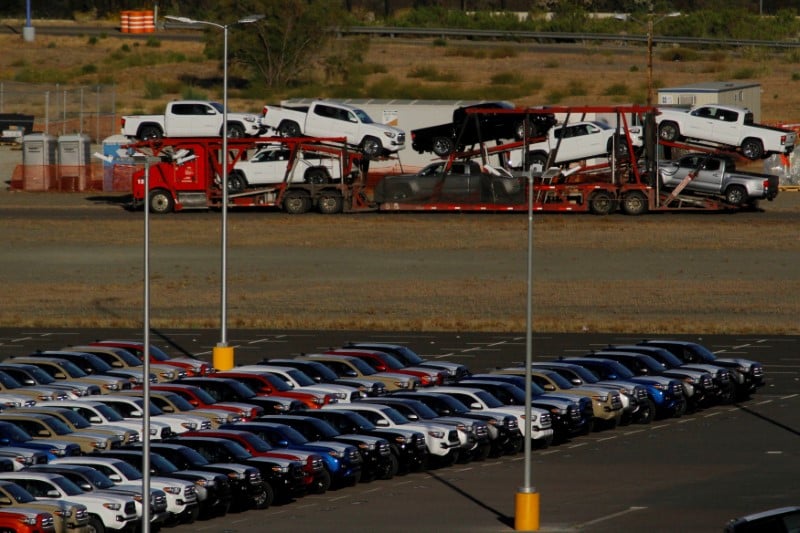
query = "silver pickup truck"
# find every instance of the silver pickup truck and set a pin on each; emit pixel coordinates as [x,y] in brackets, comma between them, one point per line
[717,175]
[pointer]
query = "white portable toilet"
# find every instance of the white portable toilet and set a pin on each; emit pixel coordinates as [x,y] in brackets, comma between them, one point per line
[74,168]
[113,181]
[38,162]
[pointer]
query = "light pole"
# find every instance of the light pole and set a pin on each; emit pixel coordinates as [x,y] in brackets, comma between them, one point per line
[651,22]
[222,354]
[526,503]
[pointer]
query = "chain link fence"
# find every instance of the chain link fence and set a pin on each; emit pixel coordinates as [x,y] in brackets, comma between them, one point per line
[63,109]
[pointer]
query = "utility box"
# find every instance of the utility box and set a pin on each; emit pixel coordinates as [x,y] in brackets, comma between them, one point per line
[74,169]
[38,162]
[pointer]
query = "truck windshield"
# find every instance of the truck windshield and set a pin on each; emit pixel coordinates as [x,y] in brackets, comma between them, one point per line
[362,116]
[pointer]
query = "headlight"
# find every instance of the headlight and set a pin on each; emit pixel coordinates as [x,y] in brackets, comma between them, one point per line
[400,439]
[28,520]
[205,482]
[111,386]
[250,118]
[335,453]
[280,469]
[235,475]
[436,434]
[690,380]
[112,506]
[661,386]
[64,513]
[319,401]
[58,452]
[172,490]
[390,134]
[100,444]
[189,425]
[601,397]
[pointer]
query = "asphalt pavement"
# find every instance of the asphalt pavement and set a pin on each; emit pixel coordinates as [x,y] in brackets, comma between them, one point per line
[683,474]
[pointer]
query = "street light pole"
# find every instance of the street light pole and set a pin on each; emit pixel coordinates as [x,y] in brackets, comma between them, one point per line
[222,354]
[650,59]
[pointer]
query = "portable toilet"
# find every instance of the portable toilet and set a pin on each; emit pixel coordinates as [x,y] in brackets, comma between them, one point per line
[74,168]
[38,162]
[114,178]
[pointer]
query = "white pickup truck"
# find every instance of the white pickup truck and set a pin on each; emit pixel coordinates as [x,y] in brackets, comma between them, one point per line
[725,125]
[580,140]
[269,163]
[189,118]
[332,119]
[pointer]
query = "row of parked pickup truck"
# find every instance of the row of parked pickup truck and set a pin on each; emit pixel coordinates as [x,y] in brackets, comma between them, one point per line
[284,427]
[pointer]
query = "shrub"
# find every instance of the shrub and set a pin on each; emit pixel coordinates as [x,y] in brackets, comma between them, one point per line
[679,53]
[795,76]
[439,42]
[152,42]
[89,68]
[92,40]
[502,52]
[190,93]
[465,51]
[153,90]
[506,78]
[551,63]
[616,89]
[576,88]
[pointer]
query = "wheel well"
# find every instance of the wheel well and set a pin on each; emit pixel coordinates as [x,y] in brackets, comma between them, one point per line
[145,125]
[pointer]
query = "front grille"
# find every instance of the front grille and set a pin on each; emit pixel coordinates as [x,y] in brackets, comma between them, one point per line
[677,389]
[511,423]
[189,493]
[420,442]
[616,402]
[316,465]
[705,382]
[724,376]
[354,456]
[166,432]
[130,508]
[452,436]
[573,414]
[641,394]
[127,385]
[82,515]
[296,472]
[757,370]
[206,425]
[384,449]
[134,437]
[544,421]
[401,138]
[47,521]
[159,503]
[481,431]
[254,477]
[40,460]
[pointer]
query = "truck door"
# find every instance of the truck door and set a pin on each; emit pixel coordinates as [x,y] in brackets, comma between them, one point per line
[192,119]
[268,166]
[328,121]
[710,176]
[701,123]
[727,126]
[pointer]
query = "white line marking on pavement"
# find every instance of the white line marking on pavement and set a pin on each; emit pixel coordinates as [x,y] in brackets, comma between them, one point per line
[610,516]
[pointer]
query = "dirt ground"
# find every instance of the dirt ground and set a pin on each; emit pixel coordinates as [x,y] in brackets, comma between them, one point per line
[75,259]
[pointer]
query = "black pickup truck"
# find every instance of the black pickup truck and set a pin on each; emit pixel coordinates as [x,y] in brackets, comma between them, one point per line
[469,129]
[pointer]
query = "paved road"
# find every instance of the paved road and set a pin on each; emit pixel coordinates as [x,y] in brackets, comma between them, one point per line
[687,474]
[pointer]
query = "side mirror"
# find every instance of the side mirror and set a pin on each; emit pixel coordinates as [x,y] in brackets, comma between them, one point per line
[475,406]
[60,375]
[53,494]
[116,478]
[549,387]
[43,433]
[382,423]
[95,420]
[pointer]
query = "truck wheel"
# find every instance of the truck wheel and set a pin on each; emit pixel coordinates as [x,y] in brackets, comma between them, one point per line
[669,131]
[390,469]
[752,149]
[601,203]
[264,499]
[646,413]
[443,146]
[399,192]
[95,525]
[289,129]
[316,176]
[235,131]
[296,202]
[634,203]
[148,133]
[330,203]
[321,483]
[537,159]
[371,147]
[161,202]
[236,183]
[736,195]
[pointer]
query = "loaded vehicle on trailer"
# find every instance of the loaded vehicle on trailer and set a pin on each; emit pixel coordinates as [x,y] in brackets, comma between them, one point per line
[189,175]
[725,126]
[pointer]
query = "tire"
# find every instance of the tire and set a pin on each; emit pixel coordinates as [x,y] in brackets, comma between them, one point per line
[391,468]
[647,413]
[371,147]
[321,483]
[443,146]
[161,202]
[398,193]
[634,203]
[236,183]
[669,131]
[235,131]
[149,133]
[95,525]
[680,409]
[330,203]
[537,159]
[264,498]
[288,128]
[736,195]
[752,149]
[519,130]
[621,146]
[317,176]
[296,202]
[601,203]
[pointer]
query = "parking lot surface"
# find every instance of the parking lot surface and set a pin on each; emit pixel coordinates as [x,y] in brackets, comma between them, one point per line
[691,473]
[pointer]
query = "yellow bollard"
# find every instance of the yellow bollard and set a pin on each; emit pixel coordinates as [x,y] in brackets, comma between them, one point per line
[222,357]
[526,515]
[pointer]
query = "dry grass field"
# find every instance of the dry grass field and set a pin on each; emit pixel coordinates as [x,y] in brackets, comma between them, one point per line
[76,259]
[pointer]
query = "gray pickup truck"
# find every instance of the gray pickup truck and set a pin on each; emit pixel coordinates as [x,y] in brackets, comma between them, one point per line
[716,175]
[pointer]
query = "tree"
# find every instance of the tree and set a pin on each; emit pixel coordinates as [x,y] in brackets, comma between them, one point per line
[286,44]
